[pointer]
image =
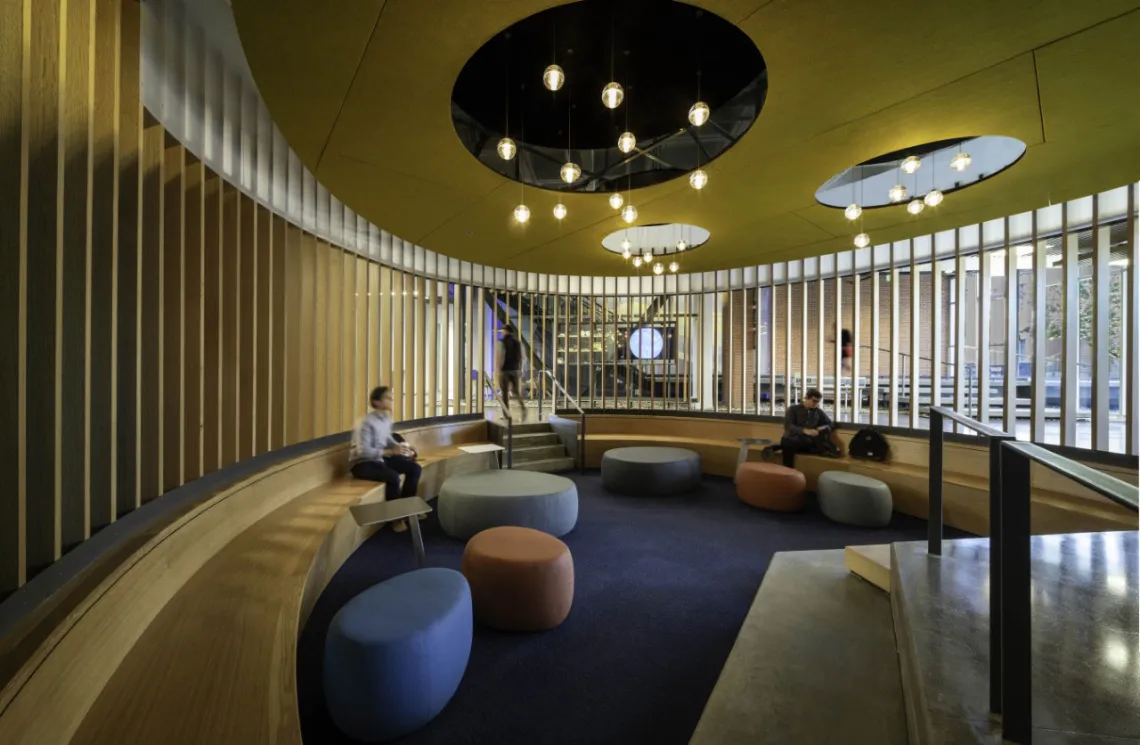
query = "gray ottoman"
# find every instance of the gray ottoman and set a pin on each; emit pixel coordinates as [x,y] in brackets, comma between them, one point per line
[650,472]
[474,502]
[853,499]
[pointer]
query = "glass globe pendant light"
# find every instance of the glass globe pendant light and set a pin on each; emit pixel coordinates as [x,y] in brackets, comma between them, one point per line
[627,142]
[897,193]
[681,245]
[698,179]
[637,261]
[658,268]
[570,172]
[612,95]
[553,77]
[559,211]
[522,213]
[616,200]
[915,206]
[853,211]
[699,113]
[647,258]
[862,240]
[933,198]
[506,148]
[629,213]
[674,266]
[961,161]
[910,164]
[625,254]
[625,245]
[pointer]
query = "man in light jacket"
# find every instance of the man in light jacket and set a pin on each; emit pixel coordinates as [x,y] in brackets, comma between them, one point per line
[377,456]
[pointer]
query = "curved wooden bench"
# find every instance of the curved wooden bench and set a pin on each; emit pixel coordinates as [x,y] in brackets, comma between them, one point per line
[1058,506]
[193,638]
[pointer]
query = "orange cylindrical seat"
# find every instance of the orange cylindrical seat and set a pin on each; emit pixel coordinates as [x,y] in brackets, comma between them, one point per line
[771,486]
[521,579]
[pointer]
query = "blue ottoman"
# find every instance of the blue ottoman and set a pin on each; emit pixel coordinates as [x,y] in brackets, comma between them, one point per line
[396,652]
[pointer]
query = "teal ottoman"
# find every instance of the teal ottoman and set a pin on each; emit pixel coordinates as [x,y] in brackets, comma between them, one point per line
[853,499]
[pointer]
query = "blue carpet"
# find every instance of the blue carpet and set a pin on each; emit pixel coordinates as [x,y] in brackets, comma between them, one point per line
[662,587]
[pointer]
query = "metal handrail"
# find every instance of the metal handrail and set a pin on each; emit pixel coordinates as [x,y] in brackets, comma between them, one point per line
[995,438]
[1014,685]
[581,412]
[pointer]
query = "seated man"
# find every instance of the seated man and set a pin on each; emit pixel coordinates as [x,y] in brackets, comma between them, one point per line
[376,455]
[807,429]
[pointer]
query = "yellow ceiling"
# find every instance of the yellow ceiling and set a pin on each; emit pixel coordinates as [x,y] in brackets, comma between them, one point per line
[362,90]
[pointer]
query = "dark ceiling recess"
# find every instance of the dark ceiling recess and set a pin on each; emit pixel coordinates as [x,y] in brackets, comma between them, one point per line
[656,49]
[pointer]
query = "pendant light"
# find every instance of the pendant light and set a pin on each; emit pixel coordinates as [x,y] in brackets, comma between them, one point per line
[553,77]
[627,142]
[637,261]
[612,95]
[625,245]
[616,200]
[698,179]
[570,172]
[698,113]
[658,268]
[629,213]
[522,213]
[897,193]
[648,256]
[559,211]
[910,164]
[933,198]
[961,161]
[853,211]
[625,254]
[681,245]
[506,148]
[915,206]
[674,266]
[862,240]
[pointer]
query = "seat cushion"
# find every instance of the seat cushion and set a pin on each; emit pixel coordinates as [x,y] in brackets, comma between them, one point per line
[395,654]
[854,499]
[771,486]
[474,502]
[650,471]
[521,579]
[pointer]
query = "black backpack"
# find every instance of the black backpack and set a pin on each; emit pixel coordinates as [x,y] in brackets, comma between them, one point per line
[868,444]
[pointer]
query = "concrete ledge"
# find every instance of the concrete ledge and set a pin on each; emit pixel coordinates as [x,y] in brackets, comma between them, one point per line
[872,563]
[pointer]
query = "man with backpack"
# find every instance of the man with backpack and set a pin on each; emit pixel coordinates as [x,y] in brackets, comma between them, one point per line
[807,429]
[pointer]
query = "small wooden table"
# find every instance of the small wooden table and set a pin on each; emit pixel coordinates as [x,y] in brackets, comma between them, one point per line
[408,508]
[745,442]
[486,448]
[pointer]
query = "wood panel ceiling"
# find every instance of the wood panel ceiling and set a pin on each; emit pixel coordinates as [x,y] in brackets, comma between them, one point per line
[361,90]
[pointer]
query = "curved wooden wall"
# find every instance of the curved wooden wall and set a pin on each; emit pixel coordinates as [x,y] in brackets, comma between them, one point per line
[1059,506]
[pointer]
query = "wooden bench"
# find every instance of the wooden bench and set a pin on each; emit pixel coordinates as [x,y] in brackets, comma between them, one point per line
[193,637]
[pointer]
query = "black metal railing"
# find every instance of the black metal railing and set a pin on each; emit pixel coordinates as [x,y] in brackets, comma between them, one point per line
[1009,592]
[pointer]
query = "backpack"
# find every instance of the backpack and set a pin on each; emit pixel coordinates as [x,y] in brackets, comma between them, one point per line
[868,444]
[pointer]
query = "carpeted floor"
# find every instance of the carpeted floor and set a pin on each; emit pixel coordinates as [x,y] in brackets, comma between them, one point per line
[662,586]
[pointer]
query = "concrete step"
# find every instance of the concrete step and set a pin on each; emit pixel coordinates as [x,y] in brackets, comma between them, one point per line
[549,465]
[814,662]
[872,563]
[542,452]
[535,439]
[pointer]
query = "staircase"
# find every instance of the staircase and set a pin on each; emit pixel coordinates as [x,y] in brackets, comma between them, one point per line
[537,446]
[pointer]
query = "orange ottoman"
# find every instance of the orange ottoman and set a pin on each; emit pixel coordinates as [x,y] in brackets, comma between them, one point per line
[521,579]
[771,486]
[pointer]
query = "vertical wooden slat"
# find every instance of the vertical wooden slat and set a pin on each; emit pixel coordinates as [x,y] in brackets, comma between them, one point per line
[413,364]
[856,342]
[773,314]
[295,350]
[1009,404]
[307,345]
[129,244]
[388,326]
[985,305]
[213,320]
[915,339]
[478,346]
[41,213]
[1132,319]
[398,334]
[893,380]
[936,332]
[431,351]
[247,397]
[361,318]
[322,258]
[838,344]
[1102,327]
[424,355]
[787,336]
[962,385]
[334,354]
[230,248]
[1040,331]
[281,407]
[263,330]
[348,341]
[172,306]
[821,314]
[150,409]
[1070,333]
[876,338]
[14,121]
[74,217]
[192,281]
[803,329]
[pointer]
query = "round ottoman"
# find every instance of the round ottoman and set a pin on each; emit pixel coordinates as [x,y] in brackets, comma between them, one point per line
[650,471]
[477,501]
[395,653]
[854,499]
[521,579]
[771,486]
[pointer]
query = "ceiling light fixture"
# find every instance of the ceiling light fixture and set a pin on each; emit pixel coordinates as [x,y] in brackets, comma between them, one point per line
[625,245]
[648,257]
[681,245]
[559,211]
[698,113]
[658,268]
[637,261]
[910,164]
[853,211]
[612,95]
[698,179]
[629,213]
[674,266]
[627,142]
[616,200]
[933,198]
[522,213]
[506,148]
[897,193]
[625,254]
[862,240]
[961,161]
[553,77]
[570,172]
[915,206]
